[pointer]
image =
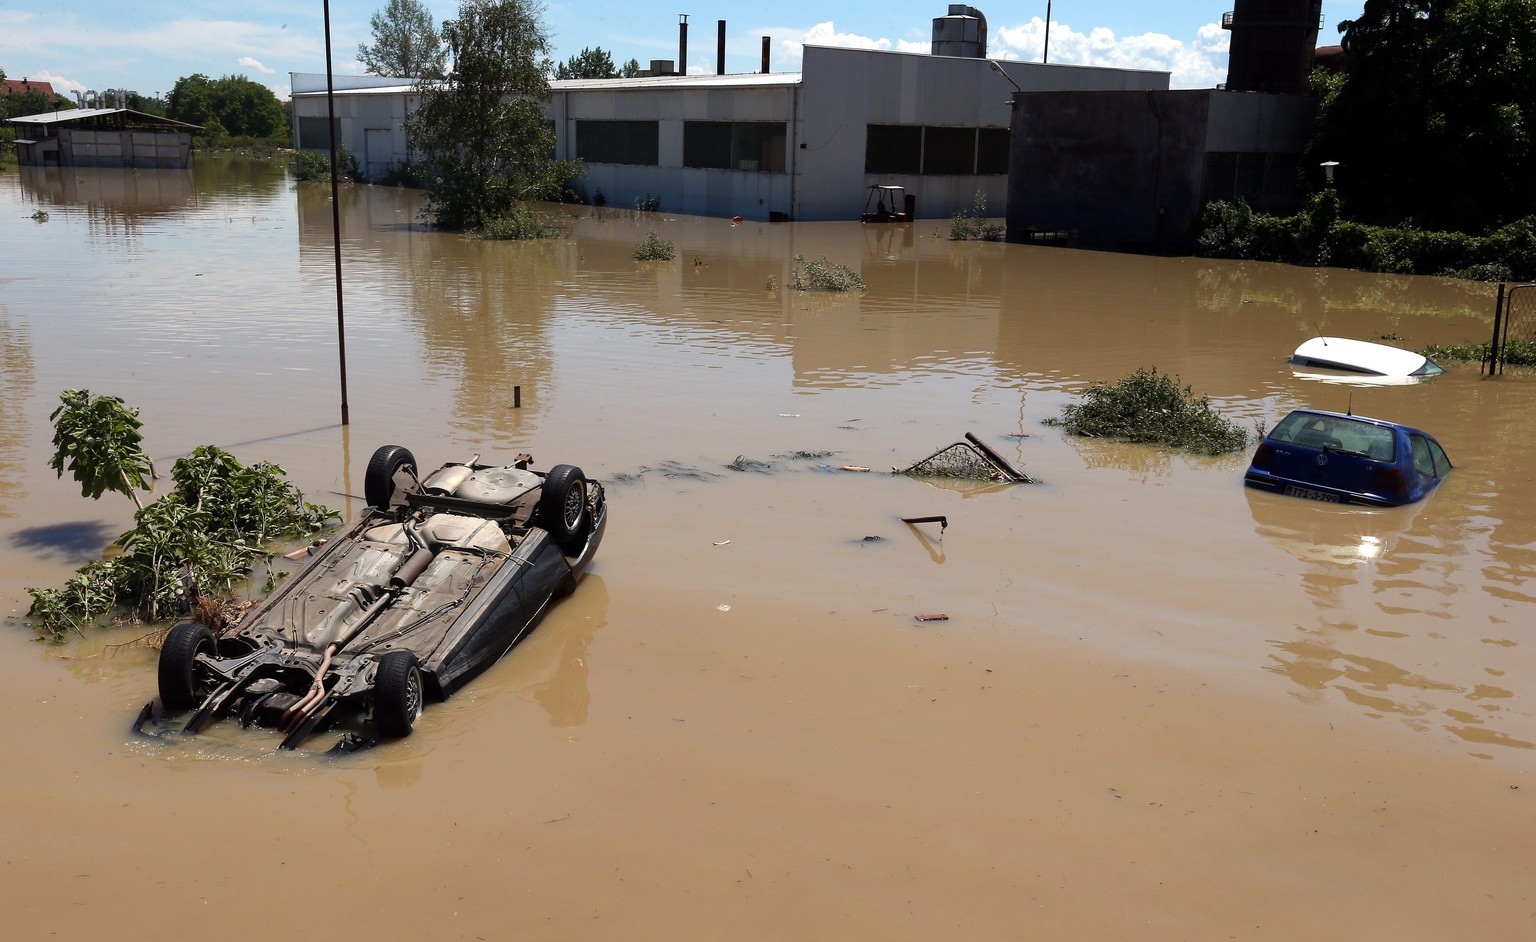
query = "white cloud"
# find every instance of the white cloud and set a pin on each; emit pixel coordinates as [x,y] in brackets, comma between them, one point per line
[250,63]
[61,85]
[1199,63]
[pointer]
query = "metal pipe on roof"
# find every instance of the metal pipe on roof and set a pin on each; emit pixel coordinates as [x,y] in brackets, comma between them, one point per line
[682,43]
[765,55]
[720,50]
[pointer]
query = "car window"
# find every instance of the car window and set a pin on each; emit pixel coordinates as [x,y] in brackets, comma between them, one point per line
[1423,461]
[1442,460]
[1319,431]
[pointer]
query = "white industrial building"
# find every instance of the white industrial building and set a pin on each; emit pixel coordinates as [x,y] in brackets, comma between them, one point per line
[765,145]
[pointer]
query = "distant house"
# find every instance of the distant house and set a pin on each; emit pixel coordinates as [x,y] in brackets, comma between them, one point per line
[22,86]
[103,137]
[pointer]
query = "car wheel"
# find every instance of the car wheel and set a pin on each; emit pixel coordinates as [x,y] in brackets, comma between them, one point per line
[562,507]
[180,686]
[397,694]
[379,479]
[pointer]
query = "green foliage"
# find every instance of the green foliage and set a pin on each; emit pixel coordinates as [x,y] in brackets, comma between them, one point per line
[310,165]
[32,101]
[653,248]
[482,135]
[97,439]
[1317,236]
[405,43]
[230,106]
[521,223]
[1432,122]
[1513,353]
[1151,407]
[588,64]
[200,539]
[630,69]
[648,204]
[821,275]
[971,224]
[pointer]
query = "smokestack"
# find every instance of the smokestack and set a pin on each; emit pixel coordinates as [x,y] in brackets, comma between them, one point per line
[720,54]
[682,42]
[765,55]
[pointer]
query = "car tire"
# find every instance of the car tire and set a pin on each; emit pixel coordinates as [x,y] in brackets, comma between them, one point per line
[398,694]
[379,479]
[180,687]
[563,507]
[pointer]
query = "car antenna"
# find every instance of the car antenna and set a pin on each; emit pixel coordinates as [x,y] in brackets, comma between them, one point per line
[1349,409]
[1320,333]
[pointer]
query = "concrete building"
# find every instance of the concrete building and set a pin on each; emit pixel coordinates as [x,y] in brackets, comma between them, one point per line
[103,137]
[1132,172]
[765,145]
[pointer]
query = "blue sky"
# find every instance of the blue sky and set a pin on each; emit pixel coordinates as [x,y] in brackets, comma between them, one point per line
[146,45]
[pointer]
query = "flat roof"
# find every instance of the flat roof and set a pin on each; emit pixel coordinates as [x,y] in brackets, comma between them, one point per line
[736,80]
[88,114]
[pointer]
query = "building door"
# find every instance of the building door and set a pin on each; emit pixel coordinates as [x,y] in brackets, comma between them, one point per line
[379,144]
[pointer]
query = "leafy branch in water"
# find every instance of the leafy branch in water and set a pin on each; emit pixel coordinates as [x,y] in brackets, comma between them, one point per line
[971,224]
[98,439]
[653,248]
[196,541]
[1152,408]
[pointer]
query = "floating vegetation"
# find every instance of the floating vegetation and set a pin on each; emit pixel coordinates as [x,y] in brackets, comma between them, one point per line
[1151,408]
[1513,353]
[806,455]
[198,540]
[821,275]
[653,248]
[743,463]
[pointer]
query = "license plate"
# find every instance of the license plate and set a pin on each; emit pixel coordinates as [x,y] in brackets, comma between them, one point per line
[1310,494]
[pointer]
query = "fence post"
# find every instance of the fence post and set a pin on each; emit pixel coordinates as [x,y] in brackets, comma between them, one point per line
[1498,320]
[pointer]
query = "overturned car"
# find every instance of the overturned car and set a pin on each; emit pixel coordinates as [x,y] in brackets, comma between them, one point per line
[437,579]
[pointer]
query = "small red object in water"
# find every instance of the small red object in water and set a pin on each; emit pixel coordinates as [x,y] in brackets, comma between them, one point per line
[931,617]
[735,219]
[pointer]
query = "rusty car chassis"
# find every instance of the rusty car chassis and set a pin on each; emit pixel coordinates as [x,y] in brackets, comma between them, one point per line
[436,580]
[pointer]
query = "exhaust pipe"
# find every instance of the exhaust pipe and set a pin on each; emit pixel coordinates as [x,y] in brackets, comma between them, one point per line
[720,53]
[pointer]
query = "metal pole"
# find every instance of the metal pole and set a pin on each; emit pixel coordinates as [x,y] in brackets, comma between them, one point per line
[341,328]
[1046,57]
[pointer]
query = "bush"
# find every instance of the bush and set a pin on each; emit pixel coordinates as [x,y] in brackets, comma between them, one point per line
[1152,408]
[522,223]
[971,224]
[199,539]
[654,248]
[310,165]
[1317,236]
[822,275]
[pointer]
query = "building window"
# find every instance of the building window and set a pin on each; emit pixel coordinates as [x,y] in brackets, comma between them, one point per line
[949,151]
[935,151]
[893,148]
[618,142]
[739,145]
[312,134]
[992,150]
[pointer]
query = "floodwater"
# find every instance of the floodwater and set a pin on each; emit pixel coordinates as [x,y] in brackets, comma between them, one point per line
[1161,706]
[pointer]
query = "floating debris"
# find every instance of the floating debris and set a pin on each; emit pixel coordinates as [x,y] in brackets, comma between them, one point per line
[933,617]
[971,460]
[943,522]
[743,463]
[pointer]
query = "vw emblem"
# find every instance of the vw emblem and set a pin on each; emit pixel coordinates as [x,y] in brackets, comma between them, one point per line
[1322,459]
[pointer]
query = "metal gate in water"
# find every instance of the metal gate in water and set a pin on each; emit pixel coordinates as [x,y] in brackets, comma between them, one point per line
[1514,322]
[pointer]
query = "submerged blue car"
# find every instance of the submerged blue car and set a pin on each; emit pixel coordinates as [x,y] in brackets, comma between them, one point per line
[1347,459]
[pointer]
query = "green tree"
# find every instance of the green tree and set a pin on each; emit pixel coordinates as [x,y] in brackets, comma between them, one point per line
[630,69]
[405,43]
[588,64]
[1431,124]
[234,104]
[482,135]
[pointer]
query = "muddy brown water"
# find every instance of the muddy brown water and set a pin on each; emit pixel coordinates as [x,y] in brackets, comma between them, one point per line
[1161,706]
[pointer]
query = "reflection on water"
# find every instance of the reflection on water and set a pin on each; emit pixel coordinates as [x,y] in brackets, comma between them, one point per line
[16,382]
[208,300]
[1387,557]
